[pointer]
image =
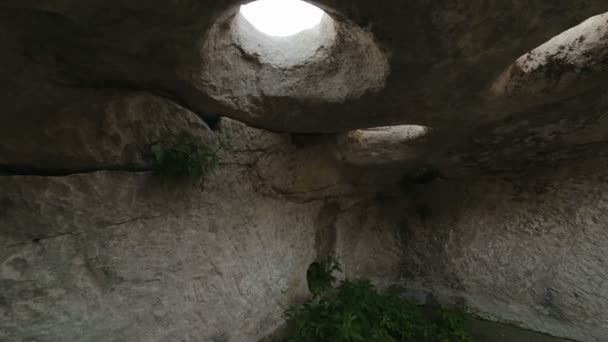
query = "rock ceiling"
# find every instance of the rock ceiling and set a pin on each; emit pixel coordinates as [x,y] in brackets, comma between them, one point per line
[500,85]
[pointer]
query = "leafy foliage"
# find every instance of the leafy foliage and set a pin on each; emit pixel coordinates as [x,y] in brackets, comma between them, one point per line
[187,157]
[320,276]
[356,311]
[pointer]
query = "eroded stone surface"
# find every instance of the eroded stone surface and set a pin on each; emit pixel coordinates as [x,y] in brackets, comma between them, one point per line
[443,56]
[527,251]
[574,54]
[381,145]
[113,256]
[238,72]
[303,48]
[92,130]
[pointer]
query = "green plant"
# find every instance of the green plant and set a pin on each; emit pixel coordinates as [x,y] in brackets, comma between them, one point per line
[356,311]
[320,276]
[187,157]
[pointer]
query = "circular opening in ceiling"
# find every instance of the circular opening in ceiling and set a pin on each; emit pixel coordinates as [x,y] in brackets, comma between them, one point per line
[283,33]
[279,78]
[282,18]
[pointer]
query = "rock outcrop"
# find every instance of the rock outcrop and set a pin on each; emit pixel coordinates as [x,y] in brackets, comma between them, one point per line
[115,255]
[452,148]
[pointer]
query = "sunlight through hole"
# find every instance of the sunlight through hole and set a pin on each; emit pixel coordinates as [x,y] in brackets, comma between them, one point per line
[282,18]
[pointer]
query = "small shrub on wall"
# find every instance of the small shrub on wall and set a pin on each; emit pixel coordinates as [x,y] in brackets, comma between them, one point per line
[185,158]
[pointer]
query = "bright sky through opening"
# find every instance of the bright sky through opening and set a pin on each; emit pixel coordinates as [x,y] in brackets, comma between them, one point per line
[282,18]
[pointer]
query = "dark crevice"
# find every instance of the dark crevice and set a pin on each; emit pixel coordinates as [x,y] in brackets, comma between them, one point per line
[15,170]
[134,219]
[38,239]
[303,140]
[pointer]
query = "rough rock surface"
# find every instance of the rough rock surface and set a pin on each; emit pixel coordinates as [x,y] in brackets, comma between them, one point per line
[440,65]
[530,251]
[237,72]
[99,130]
[113,256]
[116,256]
[381,145]
[95,248]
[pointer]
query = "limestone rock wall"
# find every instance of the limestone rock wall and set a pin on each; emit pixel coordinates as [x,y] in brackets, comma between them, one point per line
[95,247]
[530,251]
[524,249]
[114,256]
[125,256]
